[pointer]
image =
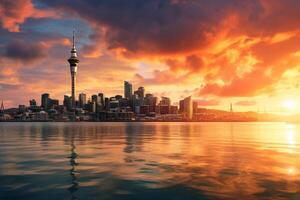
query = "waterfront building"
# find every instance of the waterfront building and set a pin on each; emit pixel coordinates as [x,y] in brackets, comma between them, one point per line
[113,105]
[68,102]
[181,106]
[44,100]
[140,92]
[174,110]
[97,101]
[165,101]
[127,90]
[188,108]
[82,100]
[151,101]
[195,106]
[22,108]
[52,103]
[32,103]
[39,116]
[102,100]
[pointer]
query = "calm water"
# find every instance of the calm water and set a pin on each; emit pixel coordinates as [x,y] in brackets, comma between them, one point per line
[149,161]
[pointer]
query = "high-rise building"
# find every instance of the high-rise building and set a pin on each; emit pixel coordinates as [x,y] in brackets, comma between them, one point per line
[113,105]
[102,100]
[97,101]
[118,97]
[188,108]
[151,101]
[68,102]
[73,60]
[195,106]
[45,100]
[106,103]
[82,100]
[141,92]
[127,90]
[174,110]
[165,101]
[52,103]
[181,106]
[32,103]
[22,108]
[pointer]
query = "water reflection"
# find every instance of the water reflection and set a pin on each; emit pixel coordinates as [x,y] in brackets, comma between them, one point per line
[73,173]
[149,161]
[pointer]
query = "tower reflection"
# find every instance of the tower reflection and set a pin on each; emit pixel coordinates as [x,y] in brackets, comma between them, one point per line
[73,173]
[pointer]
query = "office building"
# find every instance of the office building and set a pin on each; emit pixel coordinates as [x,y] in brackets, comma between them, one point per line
[188,108]
[82,100]
[140,92]
[44,100]
[127,90]
[68,102]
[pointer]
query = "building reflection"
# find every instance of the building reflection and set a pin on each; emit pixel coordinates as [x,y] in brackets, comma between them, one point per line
[134,138]
[73,173]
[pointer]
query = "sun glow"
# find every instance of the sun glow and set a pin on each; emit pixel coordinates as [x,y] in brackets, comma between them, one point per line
[289,104]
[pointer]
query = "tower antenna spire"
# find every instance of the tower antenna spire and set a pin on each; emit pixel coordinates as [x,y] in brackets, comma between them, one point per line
[2,107]
[74,38]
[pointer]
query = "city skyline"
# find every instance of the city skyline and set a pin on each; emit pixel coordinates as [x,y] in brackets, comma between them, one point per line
[208,58]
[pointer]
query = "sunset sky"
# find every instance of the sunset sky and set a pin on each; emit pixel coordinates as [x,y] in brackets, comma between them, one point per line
[219,51]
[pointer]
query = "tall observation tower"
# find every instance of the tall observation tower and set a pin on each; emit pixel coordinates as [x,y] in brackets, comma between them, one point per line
[73,60]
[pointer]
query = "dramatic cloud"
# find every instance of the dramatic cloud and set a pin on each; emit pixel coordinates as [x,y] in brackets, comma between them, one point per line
[159,27]
[208,38]
[24,52]
[13,13]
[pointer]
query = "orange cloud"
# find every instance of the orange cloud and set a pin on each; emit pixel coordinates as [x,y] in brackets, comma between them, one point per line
[245,103]
[14,13]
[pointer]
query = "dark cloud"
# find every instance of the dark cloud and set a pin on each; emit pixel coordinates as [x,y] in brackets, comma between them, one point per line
[158,26]
[7,87]
[25,52]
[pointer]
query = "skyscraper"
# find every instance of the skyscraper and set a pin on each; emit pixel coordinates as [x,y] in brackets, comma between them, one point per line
[73,60]
[32,102]
[45,100]
[141,92]
[67,102]
[188,108]
[165,101]
[82,100]
[102,99]
[127,90]
[151,101]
